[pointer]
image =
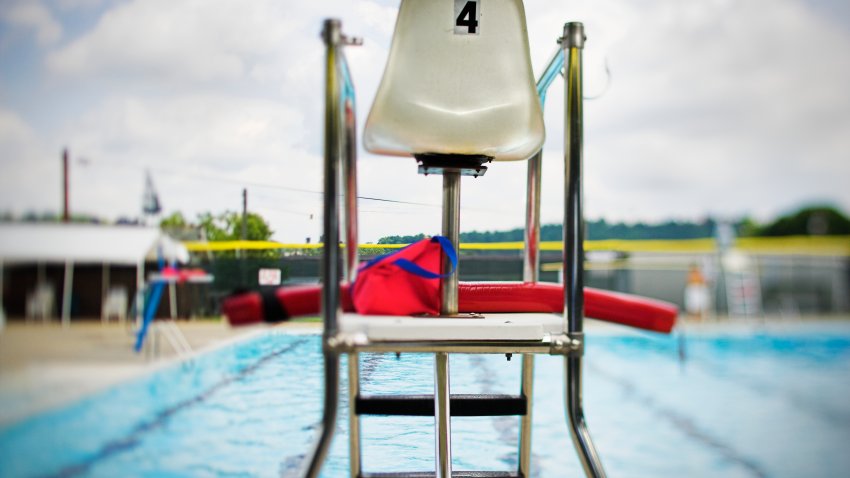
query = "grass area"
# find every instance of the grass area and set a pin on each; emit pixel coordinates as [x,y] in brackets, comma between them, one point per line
[307,320]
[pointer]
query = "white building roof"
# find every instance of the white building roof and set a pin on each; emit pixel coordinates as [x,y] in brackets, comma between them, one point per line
[86,243]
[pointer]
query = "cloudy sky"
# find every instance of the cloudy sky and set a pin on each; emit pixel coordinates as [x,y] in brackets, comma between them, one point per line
[712,107]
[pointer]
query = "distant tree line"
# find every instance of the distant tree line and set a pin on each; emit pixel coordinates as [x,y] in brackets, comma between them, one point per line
[817,220]
[814,221]
[225,226]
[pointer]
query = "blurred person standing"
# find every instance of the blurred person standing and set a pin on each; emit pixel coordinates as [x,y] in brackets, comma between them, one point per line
[696,294]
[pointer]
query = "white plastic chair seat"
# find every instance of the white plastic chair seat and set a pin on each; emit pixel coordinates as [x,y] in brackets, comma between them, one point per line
[40,302]
[115,304]
[445,92]
[492,327]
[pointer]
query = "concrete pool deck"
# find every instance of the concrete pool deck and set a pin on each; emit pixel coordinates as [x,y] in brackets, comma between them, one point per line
[43,366]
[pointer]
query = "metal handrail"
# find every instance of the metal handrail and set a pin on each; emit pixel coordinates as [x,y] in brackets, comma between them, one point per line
[339,98]
[573,44]
[349,167]
[531,257]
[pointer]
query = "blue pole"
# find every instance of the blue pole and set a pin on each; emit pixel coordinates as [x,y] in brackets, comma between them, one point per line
[152,306]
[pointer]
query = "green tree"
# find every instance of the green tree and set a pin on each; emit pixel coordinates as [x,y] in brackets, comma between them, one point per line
[174,220]
[227,226]
[816,220]
[401,239]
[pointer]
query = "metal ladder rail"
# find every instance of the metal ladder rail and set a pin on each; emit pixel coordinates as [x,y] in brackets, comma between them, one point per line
[335,147]
[573,44]
[531,261]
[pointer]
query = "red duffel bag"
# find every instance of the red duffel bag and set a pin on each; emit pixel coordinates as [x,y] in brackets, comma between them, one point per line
[406,282]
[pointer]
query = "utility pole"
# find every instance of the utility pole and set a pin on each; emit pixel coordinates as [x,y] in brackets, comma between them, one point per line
[244,213]
[244,236]
[66,216]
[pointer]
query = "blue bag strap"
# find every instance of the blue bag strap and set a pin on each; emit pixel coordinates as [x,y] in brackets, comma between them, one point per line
[415,269]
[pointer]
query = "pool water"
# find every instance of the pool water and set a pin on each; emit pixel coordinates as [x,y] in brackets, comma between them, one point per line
[741,404]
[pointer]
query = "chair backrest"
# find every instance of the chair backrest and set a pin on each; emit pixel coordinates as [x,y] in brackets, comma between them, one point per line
[458,81]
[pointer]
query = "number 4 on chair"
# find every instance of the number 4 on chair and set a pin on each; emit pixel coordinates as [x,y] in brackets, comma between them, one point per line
[466,17]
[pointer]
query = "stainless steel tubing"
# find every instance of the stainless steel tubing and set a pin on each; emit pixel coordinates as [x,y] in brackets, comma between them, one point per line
[442,416]
[467,347]
[573,148]
[531,257]
[448,307]
[353,418]
[527,390]
[573,43]
[451,229]
[349,172]
[332,35]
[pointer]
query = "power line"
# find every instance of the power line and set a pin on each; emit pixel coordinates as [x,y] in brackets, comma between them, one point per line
[208,177]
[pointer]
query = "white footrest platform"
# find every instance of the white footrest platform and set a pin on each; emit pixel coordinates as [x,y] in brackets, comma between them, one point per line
[500,327]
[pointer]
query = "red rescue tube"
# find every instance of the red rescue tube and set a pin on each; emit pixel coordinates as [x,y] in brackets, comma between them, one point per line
[626,309]
[482,297]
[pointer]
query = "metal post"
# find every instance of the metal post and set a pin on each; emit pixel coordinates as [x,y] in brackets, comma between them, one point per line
[244,234]
[448,307]
[353,418]
[451,229]
[526,390]
[332,36]
[573,43]
[531,260]
[66,208]
[442,416]
[349,178]
[67,290]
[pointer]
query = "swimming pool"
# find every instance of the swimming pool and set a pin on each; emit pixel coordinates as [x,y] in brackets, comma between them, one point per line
[744,403]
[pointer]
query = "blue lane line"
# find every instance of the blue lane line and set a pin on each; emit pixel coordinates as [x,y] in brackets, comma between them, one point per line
[682,422]
[135,436]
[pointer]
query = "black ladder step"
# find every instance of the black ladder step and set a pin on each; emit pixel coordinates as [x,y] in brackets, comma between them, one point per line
[462,405]
[455,474]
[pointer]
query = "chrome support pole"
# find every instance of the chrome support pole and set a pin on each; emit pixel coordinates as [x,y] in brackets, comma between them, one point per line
[330,273]
[451,229]
[448,307]
[353,418]
[573,43]
[526,390]
[531,258]
[442,416]
[349,176]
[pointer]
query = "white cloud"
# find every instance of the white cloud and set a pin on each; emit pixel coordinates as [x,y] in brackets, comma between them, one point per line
[29,170]
[715,107]
[33,15]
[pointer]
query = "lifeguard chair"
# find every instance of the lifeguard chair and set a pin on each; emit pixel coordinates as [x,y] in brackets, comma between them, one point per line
[457,93]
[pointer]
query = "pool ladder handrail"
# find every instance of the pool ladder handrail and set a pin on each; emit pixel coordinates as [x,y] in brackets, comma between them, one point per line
[340,167]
